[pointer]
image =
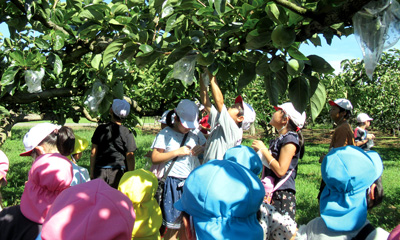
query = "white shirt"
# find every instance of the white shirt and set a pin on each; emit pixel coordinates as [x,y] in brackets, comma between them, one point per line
[170,140]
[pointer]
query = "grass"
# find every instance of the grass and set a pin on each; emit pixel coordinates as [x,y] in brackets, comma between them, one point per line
[386,215]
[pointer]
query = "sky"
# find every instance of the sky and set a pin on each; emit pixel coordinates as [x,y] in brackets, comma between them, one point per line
[339,50]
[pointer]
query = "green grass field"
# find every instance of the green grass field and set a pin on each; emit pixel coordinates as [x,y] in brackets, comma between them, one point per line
[387,215]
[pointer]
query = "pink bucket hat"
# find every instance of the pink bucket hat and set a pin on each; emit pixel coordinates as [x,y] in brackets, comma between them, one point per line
[91,210]
[4,164]
[49,176]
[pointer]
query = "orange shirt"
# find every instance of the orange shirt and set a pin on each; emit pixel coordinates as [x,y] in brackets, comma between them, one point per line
[342,136]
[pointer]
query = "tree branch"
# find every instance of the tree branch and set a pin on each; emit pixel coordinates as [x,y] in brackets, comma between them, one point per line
[25,98]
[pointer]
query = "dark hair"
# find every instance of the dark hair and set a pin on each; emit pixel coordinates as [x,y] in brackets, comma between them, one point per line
[240,113]
[294,127]
[378,194]
[116,117]
[348,112]
[63,139]
[169,118]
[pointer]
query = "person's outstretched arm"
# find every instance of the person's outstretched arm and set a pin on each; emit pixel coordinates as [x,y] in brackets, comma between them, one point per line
[204,98]
[216,92]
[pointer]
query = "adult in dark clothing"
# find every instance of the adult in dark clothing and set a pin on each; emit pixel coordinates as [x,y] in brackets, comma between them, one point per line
[113,147]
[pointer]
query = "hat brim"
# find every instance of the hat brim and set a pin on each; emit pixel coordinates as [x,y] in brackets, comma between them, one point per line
[343,212]
[188,124]
[239,99]
[332,103]
[26,154]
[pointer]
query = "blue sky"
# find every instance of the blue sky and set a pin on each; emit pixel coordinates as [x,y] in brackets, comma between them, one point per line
[339,50]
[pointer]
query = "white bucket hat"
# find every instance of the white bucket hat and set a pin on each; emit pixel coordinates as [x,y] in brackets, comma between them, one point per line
[363,117]
[297,118]
[188,113]
[343,103]
[121,108]
[36,135]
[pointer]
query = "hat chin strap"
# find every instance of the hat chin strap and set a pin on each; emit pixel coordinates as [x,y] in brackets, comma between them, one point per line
[279,131]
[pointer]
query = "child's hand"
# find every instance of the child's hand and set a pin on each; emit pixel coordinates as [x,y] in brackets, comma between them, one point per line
[257,145]
[370,136]
[198,149]
[183,151]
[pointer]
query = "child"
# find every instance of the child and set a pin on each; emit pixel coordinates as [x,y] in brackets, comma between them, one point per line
[166,147]
[140,186]
[282,157]
[91,210]
[226,124]
[343,135]
[361,136]
[113,147]
[81,174]
[223,198]
[353,186]
[50,174]
[275,225]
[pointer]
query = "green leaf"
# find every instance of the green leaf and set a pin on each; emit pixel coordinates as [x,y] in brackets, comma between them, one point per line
[142,61]
[91,15]
[146,49]
[298,93]
[77,4]
[271,89]
[315,40]
[248,75]
[18,57]
[118,90]
[317,101]
[112,50]
[314,81]
[177,54]
[119,9]
[295,53]
[282,81]
[55,61]
[8,77]
[205,59]
[115,22]
[220,6]
[42,44]
[172,22]
[255,42]
[58,40]
[96,61]
[129,52]
[319,64]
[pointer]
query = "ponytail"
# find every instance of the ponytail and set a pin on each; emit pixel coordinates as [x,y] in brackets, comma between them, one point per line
[62,139]
[296,129]
[169,119]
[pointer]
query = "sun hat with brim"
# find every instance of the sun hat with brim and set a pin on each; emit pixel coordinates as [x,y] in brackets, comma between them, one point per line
[298,118]
[225,205]
[348,172]
[245,156]
[342,102]
[188,112]
[363,117]
[395,233]
[140,187]
[80,145]
[121,108]
[49,175]
[248,113]
[36,135]
[4,165]
[91,210]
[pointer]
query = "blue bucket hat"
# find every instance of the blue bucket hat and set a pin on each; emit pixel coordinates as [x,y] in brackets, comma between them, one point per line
[348,172]
[223,198]
[245,156]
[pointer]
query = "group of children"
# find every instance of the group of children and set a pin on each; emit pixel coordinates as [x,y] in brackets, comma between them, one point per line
[212,189]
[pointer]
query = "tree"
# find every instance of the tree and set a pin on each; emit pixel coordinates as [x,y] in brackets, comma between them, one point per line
[128,47]
[377,97]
